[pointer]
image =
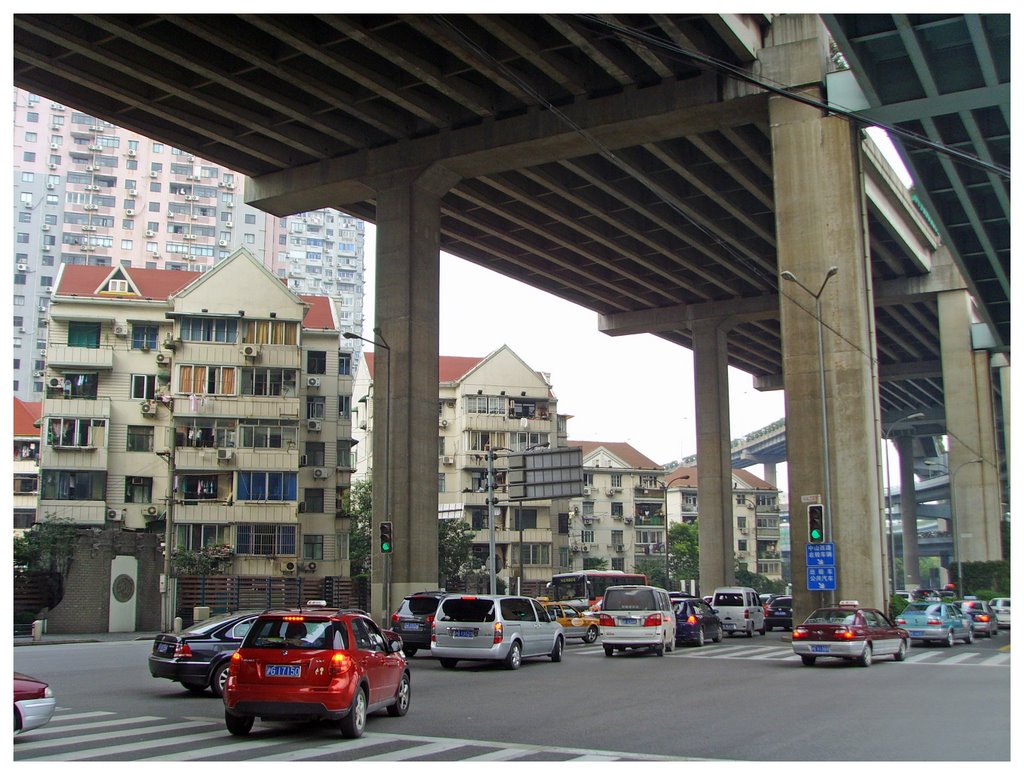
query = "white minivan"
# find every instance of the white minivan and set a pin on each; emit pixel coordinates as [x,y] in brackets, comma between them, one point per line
[637,617]
[740,610]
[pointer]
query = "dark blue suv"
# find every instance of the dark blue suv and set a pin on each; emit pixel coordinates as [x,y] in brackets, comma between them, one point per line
[778,612]
[696,623]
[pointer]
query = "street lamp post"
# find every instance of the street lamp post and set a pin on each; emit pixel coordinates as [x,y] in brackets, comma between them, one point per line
[827,478]
[953,516]
[379,341]
[888,501]
[665,486]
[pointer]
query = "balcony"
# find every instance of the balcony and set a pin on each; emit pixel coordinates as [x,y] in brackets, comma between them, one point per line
[91,408]
[62,356]
[230,354]
[210,511]
[650,521]
[245,406]
[79,512]
[217,459]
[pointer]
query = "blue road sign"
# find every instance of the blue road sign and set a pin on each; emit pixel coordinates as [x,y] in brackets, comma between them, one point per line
[821,578]
[821,554]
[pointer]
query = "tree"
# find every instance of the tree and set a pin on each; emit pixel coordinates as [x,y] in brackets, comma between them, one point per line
[359,507]
[454,551]
[744,578]
[595,563]
[684,553]
[47,546]
[200,562]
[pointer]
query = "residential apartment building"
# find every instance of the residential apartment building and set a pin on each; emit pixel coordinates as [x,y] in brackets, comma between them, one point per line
[216,400]
[498,404]
[629,502]
[25,468]
[88,193]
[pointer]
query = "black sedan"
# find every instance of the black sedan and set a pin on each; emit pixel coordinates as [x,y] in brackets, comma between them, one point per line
[778,612]
[696,622]
[198,657]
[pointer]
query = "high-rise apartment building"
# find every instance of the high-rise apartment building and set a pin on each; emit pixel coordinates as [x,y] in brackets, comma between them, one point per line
[89,193]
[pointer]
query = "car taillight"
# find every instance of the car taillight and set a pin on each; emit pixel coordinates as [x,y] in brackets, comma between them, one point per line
[394,618]
[233,664]
[900,620]
[935,622]
[691,619]
[499,632]
[182,650]
[799,632]
[340,663]
[982,617]
[433,632]
[430,620]
[746,613]
[845,633]
[605,620]
[654,620]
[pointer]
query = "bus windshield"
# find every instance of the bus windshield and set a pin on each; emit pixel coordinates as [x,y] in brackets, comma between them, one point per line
[586,588]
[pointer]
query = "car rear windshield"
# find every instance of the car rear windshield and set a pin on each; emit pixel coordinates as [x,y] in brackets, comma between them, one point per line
[630,600]
[831,616]
[459,609]
[279,633]
[419,606]
[728,598]
[928,608]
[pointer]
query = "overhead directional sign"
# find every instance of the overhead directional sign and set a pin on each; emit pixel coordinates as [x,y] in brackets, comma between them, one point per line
[553,473]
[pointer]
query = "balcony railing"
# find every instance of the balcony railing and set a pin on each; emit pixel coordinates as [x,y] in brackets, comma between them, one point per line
[62,356]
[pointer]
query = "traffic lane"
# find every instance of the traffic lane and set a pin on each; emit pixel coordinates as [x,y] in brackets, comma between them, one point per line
[752,709]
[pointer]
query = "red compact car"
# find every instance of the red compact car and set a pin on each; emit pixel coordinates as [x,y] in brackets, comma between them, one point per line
[312,664]
[850,632]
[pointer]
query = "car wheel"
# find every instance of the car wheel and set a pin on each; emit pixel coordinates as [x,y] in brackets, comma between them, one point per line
[750,630]
[238,725]
[901,652]
[608,651]
[592,633]
[768,627]
[718,635]
[410,651]
[700,636]
[448,663]
[763,630]
[948,642]
[970,636]
[659,650]
[515,657]
[354,723]
[866,656]
[401,704]
[220,677]
[194,687]
[556,650]
[807,659]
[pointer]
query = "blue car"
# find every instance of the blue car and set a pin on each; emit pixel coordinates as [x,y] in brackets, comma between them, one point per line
[935,621]
[696,623]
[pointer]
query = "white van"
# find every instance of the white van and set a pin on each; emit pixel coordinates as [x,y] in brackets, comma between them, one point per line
[740,610]
[637,617]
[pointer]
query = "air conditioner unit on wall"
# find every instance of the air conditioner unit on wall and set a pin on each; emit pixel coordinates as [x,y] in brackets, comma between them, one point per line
[314,425]
[225,454]
[150,511]
[309,567]
[250,351]
[55,382]
[288,566]
[163,358]
[120,329]
[312,381]
[319,473]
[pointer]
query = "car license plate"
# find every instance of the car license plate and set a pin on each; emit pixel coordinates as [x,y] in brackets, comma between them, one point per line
[462,633]
[410,626]
[283,671]
[167,648]
[820,649]
[728,626]
[630,620]
[916,633]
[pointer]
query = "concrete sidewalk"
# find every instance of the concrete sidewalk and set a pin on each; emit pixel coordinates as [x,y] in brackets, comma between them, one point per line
[51,639]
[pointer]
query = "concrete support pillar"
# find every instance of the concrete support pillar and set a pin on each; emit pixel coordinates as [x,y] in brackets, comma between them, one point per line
[820,219]
[714,461]
[970,427]
[771,474]
[407,315]
[908,514]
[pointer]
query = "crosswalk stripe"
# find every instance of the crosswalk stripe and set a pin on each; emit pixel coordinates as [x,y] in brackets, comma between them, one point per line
[36,745]
[963,656]
[996,659]
[412,753]
[920,656]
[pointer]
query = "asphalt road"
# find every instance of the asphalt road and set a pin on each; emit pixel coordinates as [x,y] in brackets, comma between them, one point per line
[738,700]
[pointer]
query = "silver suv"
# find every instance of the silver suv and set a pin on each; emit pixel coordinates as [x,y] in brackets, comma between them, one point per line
[504,628]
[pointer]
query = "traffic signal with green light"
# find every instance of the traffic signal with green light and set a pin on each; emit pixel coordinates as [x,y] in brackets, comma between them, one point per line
[386,544]
[815,523]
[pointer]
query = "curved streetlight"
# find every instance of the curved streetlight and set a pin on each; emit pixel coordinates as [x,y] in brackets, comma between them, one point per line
[379,341]
[953,515]
[664,487]
[827,478]
[888,501]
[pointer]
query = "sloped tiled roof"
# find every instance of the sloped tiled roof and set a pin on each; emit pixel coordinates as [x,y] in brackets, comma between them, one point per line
[451,368]
[742,474]
[619,449]
[320,313]
[78,280]
[26,414]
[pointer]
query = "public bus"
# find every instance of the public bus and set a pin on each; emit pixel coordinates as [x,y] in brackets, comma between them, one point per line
[585,588]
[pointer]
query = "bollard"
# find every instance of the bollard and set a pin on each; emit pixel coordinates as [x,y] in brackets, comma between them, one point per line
[177,624]
[37,630]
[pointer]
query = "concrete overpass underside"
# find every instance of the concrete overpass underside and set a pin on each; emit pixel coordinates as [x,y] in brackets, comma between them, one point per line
[659,169]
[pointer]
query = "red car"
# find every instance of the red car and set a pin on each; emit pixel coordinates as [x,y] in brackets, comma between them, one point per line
[848,631]
[312,664]
[34,703]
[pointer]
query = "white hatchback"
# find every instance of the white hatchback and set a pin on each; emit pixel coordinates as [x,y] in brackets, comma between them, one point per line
[1001,605]
[637,617]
